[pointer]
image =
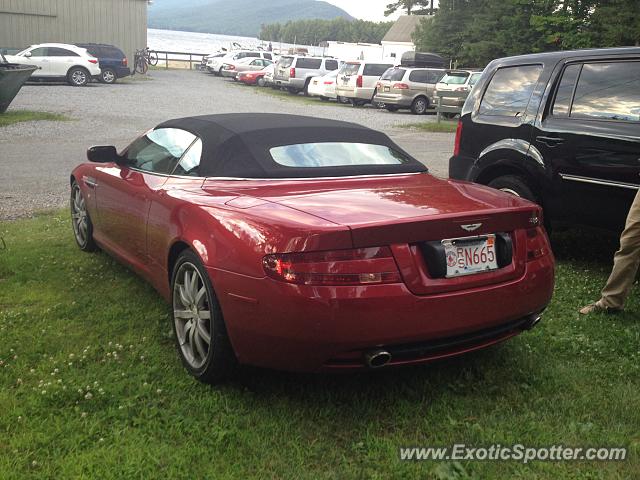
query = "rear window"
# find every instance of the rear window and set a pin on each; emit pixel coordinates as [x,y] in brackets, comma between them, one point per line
[311,63]
[609,91]
[455,78]
[268,56]
[564,94]
[336,154]
[375,69]
[509,91]
[474,78]
[331,65]
[285,61]
[350,68]
[394,74]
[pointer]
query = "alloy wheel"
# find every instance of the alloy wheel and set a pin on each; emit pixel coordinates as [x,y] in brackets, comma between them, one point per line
[79,217]
[192,315]
[108,76]
[79,77]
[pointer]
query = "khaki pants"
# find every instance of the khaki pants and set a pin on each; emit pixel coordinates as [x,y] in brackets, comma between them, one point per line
[625,262]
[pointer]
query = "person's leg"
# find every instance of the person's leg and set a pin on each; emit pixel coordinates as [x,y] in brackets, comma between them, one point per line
[625,263]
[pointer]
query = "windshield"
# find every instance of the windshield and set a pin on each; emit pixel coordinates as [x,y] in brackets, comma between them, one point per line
[336,154]
[457,78]
[393,74]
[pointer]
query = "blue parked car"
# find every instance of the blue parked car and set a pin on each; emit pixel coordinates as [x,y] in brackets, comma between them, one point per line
[113,62]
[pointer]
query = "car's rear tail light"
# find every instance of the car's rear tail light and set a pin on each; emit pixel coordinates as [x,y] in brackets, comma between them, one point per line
[401,86]
[359,81]
[456,145]
[461,89]
[292,72]
[328,82]
[360,266]
[231,67]
[93,60]
[125,62]
[537,245]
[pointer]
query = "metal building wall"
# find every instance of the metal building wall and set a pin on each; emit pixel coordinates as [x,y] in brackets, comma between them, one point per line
[118,22]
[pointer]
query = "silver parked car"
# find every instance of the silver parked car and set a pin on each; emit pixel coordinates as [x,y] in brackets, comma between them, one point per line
[233,68]
[294,72]
[357,81]
[412,88]
[453,89]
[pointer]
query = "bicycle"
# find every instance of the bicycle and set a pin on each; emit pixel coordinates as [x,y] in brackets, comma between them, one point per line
[143,59]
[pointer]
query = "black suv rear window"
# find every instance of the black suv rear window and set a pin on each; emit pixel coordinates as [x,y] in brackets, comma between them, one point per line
[375,69]
[608,91]
[509,91]
[311,63]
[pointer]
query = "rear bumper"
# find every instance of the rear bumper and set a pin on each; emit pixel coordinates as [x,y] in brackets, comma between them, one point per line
[393,99]
[355,93]
[301,328]
[229,73]
[449,101]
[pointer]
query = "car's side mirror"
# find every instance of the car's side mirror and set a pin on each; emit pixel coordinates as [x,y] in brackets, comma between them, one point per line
[103,154]
[28,54]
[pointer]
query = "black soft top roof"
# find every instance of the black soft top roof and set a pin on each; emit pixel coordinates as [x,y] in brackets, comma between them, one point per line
[237,145]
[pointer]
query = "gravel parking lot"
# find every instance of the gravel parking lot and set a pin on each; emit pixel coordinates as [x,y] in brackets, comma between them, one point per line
[36,157]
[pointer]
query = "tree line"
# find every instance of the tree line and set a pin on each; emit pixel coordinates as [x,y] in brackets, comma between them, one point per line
[474,32]
[312,32]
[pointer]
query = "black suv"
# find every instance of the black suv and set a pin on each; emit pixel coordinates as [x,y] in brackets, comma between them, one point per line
[561,129]
[113,62]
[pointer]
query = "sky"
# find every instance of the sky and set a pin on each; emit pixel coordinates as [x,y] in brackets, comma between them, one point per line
[365,9]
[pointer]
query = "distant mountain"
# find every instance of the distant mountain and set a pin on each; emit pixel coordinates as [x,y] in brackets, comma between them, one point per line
[236,17]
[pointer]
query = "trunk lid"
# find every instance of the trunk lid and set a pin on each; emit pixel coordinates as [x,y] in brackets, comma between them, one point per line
[404,212]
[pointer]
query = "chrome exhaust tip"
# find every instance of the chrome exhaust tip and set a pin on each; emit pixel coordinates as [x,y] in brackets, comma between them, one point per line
[533,321]
[377,358]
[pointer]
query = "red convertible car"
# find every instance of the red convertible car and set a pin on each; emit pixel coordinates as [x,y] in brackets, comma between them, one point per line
[312,245]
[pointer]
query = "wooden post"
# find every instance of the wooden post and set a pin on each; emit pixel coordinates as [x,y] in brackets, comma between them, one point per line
[166,60]
[438,109]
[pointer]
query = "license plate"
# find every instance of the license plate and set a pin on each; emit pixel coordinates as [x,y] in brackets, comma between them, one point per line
[466,256]
[387,89]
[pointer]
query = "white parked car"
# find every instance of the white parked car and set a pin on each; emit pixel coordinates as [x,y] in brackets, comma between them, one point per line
[325,87]
[59,61]
[234,67]
[215,65]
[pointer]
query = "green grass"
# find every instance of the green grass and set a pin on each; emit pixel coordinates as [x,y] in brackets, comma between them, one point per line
[17,116]
[444,126]
[91,387]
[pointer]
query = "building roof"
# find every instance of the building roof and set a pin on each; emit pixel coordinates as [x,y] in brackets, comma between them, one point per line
[404,27]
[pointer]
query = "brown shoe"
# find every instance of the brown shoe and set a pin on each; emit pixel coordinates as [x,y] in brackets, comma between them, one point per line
[597,308]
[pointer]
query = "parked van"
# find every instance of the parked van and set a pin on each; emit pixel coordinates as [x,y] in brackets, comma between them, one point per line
[561,129]
[216,64]
[453,89]
[411,88]
[357,81]
[294,72]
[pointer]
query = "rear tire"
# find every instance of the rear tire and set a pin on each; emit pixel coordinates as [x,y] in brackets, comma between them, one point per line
[202,343]
[108,76]
[293,91]
[78,77]
[419,106]
[515,185]
[260,82]
[343,100]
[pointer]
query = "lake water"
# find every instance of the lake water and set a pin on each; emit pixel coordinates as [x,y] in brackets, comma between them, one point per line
[192,42]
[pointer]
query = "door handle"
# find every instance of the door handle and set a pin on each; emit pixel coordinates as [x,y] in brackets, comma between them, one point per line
[550,141]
